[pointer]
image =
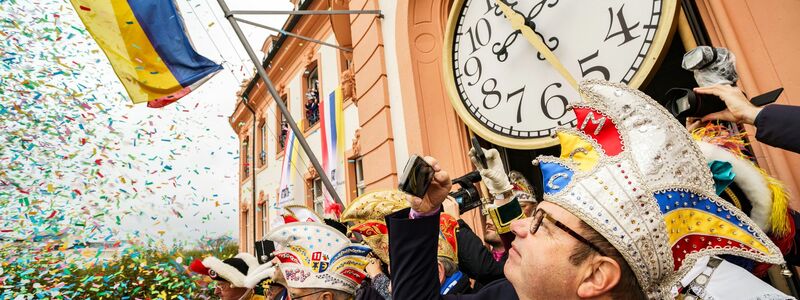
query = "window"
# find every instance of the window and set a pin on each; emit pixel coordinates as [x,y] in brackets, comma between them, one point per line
[360,186]
[344,62]
[311,76]
[355,177]
[317,196]
[283,126]
[263,154]
[246,157]
[264,218]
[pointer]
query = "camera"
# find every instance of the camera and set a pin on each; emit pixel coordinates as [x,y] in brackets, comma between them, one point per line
[683,103]
[467,196]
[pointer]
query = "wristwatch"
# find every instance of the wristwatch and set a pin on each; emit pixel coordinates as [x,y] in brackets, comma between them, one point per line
[698,286]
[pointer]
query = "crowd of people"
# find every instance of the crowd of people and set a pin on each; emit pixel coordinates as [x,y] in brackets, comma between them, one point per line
[635,207]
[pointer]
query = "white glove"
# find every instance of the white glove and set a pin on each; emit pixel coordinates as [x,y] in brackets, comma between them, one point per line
[494,177]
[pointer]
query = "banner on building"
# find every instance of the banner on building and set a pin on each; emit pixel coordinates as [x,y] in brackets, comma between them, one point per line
[148,48]
[286,193]
[332,119]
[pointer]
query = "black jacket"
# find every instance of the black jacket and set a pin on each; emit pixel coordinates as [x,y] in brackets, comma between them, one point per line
[779,126]
[474,259]
[412,247]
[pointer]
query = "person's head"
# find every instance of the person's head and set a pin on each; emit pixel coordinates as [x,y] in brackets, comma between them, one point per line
[326,248]
[523,192]
[274,291]
[527,207]
[318,294]
[490,235]
[539,267]
[614,224]
[447,267]
[226,291]
[230,274]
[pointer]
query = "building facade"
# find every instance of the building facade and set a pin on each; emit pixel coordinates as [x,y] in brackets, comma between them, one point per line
[396,103]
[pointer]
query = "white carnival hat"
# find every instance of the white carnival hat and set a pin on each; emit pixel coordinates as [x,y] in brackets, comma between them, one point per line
[315,255]
[634,174]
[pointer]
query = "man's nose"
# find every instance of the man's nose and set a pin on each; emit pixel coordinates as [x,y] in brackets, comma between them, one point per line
[520,227]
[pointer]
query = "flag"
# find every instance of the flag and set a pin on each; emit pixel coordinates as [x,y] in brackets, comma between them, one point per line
[287,176]
[332,124]
[148,48]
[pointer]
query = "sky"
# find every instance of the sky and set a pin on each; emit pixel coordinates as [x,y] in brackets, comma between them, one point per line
[78,160]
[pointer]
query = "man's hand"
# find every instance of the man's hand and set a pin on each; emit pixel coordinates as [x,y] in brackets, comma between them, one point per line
[740,110]
[374,267]
[437,191]
[494,176]
[451,207]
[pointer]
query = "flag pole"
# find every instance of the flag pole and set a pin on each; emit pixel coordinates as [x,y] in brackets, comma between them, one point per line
[282,106]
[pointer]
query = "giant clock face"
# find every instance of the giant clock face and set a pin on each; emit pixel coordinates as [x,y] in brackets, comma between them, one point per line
[507,93]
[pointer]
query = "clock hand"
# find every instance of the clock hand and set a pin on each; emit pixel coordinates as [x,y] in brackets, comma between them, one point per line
[518,23]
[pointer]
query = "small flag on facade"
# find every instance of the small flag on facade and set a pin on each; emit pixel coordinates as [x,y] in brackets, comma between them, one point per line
[148,48]
[332,119]
[287,176]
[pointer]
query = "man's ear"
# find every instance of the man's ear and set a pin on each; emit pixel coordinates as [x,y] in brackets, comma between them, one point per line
[599,276]
[327,295]
[440,267]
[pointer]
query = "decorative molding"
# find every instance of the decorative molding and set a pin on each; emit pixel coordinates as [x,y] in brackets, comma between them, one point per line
[311,173]
[281,89]
[262,198]
[356,146]
[349,86]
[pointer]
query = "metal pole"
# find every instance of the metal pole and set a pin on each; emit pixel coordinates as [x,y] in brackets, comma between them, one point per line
[282,106]
[253,141]
[292,34]
[305,12]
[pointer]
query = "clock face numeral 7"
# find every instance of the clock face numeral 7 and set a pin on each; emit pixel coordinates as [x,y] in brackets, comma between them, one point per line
[504,87]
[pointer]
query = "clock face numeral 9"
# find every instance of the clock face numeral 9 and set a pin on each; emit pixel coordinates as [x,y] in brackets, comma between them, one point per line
[506,85]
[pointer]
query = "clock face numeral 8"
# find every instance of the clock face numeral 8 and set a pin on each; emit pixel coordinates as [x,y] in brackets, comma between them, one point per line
[506,87]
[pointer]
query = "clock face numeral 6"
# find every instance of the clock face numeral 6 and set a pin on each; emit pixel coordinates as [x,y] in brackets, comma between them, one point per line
[507,93]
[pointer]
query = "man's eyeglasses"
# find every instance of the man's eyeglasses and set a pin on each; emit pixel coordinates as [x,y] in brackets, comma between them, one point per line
[539,215]
[306,295]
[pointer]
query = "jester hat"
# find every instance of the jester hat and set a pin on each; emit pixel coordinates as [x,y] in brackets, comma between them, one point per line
[634,174]
[367,212]
[315,255]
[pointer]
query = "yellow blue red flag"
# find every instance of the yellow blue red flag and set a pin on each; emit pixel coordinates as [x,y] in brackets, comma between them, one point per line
[147,45]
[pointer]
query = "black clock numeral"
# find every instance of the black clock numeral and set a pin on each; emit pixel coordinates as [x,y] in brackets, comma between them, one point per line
[500,50]
[491,93]
[599,68]
[624,30]
[477,36]
[491,5]
[521,93]
[478,69]
[545,102]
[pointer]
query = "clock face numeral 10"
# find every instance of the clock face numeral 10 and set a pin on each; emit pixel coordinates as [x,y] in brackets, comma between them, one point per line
[506,89]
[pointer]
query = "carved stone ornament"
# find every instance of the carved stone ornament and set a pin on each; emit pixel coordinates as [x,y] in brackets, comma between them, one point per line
[349,86]
[312,173]
[357,143]
[310,55]
[262,198]
[281,89]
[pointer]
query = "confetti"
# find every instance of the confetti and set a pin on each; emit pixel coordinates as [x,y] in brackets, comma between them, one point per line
[93,192]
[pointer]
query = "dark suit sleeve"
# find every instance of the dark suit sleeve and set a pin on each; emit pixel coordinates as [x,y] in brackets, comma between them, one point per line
[778,126]
[474,259]
[412,252]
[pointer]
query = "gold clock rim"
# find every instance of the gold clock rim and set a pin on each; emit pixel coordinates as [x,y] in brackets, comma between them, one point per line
[669,9]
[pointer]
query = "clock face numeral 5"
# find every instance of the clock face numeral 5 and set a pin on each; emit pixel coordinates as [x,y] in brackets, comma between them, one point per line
[506,89]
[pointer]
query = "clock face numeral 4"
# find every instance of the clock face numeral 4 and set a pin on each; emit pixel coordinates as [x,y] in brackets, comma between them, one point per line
[506,92]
